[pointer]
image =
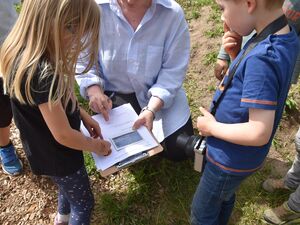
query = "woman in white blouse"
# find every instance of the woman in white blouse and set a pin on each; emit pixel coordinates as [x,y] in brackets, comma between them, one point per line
[143,58]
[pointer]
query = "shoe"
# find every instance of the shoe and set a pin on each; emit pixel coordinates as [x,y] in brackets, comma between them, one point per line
[59,223]
[282,215]
[270,185]
[11,164]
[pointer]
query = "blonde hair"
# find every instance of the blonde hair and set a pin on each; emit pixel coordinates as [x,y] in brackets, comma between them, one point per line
[271,4]
[40,33]
[274,4]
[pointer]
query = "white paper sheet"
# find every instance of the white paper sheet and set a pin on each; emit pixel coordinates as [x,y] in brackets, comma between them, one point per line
[120,122]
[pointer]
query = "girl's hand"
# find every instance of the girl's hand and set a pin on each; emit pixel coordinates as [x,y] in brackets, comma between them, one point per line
[90,124]
[231,42]
[205,123]
[145,118]
[102,147]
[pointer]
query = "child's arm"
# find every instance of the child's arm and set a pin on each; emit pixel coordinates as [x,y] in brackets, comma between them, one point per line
[256,132]
[221,68]
[64,134]
[90,124]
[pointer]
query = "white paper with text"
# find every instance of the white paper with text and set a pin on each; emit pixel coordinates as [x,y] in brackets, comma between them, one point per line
[120,124]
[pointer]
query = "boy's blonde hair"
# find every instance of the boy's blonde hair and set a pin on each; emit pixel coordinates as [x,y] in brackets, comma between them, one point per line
[270,4]
[40,33]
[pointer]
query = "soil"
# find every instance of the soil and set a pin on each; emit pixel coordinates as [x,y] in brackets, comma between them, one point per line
[28,199]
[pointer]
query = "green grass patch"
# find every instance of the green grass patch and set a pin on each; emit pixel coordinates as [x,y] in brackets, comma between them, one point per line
[158,192]
[293,98]
[90,164]
[216,31]
[211,88]
[252,200]
[192,7]
[18,7]
[210,58]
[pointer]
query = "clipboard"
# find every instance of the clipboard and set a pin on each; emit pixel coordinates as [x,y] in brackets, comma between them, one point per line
[128,146]
[131,160]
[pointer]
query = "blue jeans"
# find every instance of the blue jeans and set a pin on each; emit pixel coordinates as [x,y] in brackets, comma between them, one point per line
[75,197]
[215,196]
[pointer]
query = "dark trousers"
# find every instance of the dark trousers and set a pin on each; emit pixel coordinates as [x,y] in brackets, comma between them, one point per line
[215,196]
[75,197]
[5,108]
[171,149]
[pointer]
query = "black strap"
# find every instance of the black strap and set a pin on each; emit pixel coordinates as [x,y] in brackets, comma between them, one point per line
[272,28]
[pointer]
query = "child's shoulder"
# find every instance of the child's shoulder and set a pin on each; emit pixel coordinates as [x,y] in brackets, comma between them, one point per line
[271,60]
[277,48]
[281,42]
[41,79]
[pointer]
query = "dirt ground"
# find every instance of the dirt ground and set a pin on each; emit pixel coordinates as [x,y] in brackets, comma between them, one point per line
[28,199]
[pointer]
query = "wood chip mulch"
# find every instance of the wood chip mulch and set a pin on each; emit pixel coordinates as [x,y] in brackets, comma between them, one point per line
[26,199]
[32,200]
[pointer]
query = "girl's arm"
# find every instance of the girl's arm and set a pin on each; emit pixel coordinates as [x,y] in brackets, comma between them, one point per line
[256,132]
[64,134]
[90,124]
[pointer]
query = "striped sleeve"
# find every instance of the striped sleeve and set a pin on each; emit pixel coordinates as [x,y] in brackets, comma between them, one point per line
[261,84]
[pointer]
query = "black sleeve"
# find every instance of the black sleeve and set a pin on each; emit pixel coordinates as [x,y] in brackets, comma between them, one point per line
[40,87]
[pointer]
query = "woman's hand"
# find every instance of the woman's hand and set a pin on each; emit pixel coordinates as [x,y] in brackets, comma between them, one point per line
[205,123]
[231,42]
[147,115]
[90,124]
[99,102]
[145,118]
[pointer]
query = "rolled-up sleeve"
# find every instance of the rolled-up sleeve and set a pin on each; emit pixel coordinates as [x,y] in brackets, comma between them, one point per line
[175,63]
[84,80]
[223,54]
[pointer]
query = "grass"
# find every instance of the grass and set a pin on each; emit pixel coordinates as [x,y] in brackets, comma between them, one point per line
[210,58]
[291,102]
[192,7]
[157,192]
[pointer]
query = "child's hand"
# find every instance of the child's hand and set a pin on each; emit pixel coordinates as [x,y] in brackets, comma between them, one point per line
[231,42]
[205,123]
[221,68]
[102,147]
[90,124]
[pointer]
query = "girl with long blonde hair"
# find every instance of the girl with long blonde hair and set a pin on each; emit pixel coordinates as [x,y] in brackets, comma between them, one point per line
[38,61]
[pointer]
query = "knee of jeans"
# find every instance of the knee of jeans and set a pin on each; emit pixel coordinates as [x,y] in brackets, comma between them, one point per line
[229,198]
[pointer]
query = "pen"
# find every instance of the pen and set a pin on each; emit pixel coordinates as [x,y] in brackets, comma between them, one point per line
[111,95]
